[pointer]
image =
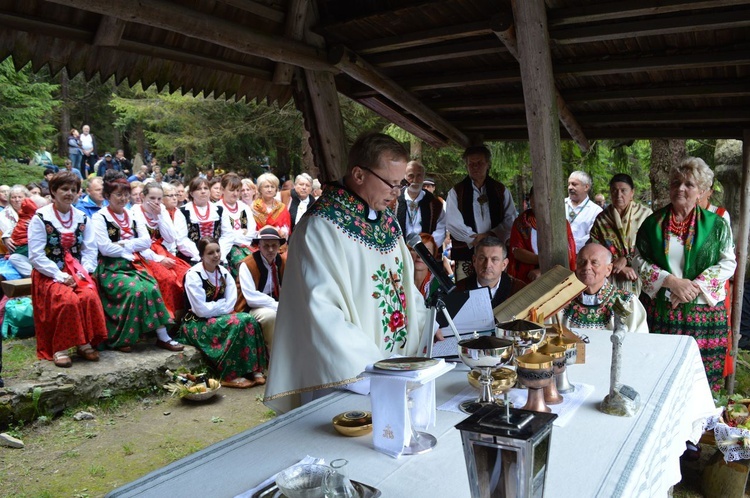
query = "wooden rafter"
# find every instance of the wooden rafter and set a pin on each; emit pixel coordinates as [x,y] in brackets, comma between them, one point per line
[173,17]
[423,37]
[109,33]
[362,71]
[294,30]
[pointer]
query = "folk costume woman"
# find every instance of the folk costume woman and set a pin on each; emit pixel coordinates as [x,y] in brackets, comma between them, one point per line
[523,250]
[199,219]
[616,227]
[267,210]
[62,251]
[237,224]
[168,270]
[684,254]
[132,302]
[232,342]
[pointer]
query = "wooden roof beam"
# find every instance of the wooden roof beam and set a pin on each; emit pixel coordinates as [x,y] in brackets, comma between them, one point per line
[611,11]
[421,38]
[173,17]
[717,89]
[502,26]
[257,9]
[675,24]
[362,71]
[109,33]
[419,130]
[438,53]
[296,18]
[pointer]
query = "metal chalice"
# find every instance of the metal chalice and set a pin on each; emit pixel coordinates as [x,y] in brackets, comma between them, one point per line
[571,355]
[551,395]
[535,373]
[484,354]
[526,334]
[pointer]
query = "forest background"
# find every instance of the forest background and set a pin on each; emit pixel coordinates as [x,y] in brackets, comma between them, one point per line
[39,109]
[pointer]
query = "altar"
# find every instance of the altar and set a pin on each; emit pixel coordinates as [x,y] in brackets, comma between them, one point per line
[594,454]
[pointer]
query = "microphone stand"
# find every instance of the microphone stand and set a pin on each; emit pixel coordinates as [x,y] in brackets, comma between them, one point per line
[434,303]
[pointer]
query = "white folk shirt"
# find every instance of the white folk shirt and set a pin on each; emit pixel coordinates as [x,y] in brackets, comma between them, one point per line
[231,233]
[414,218]
[302,208]
[254,297]
[460,231]
[581,219]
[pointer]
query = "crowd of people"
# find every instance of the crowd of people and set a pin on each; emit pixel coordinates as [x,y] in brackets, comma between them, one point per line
[261,276]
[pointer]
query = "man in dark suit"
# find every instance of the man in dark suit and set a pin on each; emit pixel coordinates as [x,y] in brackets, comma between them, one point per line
[490,260]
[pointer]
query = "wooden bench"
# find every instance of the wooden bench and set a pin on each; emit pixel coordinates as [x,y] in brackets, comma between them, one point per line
[16,288]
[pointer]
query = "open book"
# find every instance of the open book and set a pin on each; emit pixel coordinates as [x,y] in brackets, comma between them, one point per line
[542,298]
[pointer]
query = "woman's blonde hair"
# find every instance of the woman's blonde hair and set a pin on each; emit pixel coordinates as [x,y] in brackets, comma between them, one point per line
[696,168]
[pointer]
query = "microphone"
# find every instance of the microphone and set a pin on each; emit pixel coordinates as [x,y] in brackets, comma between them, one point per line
[414,241]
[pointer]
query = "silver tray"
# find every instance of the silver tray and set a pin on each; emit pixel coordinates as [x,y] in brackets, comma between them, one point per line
[272,491]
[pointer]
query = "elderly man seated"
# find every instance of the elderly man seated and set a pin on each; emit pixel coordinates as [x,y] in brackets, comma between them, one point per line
[490,260]
[594,308]
[260,281]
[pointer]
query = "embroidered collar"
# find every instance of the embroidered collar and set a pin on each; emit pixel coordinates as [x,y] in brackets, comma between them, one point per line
[595,315]
[349,213]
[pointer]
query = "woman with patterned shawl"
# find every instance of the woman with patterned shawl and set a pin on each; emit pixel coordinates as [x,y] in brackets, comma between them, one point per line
[168,270]
[237,224]
[232,342]
[62,251]
[267,210]
[616,227]
[523,251]
[132,302]
[199,219]
[684,254]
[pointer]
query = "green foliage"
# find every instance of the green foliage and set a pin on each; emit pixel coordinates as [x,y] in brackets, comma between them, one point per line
[27,105]
[232,136]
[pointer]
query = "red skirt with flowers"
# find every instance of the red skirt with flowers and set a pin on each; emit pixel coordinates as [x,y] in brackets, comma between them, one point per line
[171,280]
[65,317]
[131,299]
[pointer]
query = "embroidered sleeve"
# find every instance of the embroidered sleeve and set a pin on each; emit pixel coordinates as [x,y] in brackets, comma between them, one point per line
[652,276]
[712,280]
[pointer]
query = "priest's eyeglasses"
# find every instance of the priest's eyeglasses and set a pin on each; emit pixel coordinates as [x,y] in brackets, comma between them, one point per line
[390,186]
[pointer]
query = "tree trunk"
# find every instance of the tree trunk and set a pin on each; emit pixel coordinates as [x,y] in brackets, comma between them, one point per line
[64,113]
[416,149]
[140,140]
[664,155]
[282,161]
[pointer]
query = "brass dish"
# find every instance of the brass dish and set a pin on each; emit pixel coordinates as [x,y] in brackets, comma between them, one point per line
[502,380]
[534,361]
[354,423]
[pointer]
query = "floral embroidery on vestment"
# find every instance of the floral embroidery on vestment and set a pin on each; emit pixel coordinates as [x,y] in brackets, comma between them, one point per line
[598,315]
[390,293]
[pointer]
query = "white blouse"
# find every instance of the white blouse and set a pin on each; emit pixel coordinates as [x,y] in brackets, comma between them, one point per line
[37,233]
[199,304]
[128,244]
[163,223]
[231,233]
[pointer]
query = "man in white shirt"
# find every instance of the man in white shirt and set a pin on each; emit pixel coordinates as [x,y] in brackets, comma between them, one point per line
[88,146]
[418,210]
[477,207]
[298,199]
[580,210]
[260,281]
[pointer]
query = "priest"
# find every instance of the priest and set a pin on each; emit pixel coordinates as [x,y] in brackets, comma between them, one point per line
[349,297]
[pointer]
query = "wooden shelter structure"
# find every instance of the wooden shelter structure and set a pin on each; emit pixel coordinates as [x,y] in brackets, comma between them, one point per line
[447,71]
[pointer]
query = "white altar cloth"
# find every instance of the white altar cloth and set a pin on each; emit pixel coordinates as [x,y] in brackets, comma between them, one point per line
[593,455]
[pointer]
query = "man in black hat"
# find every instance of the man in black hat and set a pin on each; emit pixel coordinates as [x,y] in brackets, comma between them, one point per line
[260,281]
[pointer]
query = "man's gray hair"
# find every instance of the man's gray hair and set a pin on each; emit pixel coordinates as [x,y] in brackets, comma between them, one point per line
[609,258]
[582,176]
[303,176]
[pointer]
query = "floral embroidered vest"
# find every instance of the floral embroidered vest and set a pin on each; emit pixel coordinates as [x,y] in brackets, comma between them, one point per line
[54,251]
[194,229]
[598,315]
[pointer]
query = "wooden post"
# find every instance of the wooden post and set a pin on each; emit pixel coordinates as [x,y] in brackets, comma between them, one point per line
[544,131]
[742,242]
[502,26]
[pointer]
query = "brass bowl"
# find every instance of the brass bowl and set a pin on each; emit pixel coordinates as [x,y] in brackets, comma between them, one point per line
[354,423]
[552,350]
[502,380]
